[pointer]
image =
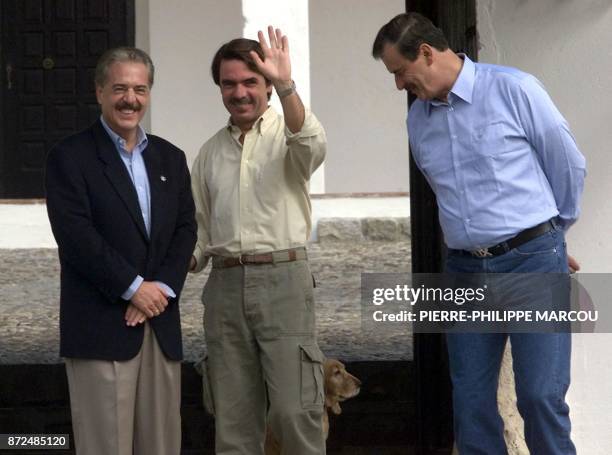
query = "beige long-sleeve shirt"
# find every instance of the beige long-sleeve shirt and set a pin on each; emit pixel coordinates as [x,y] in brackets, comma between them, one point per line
[253,197]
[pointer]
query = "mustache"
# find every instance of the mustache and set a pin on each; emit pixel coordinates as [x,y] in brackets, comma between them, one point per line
[241,101]
[132,106]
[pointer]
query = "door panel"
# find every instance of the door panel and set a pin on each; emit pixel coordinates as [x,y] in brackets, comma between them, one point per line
[49,53]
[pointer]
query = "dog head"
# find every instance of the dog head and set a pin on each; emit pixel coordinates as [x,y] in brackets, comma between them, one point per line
[340,385]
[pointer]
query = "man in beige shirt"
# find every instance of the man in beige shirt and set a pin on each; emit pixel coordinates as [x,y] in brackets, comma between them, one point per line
[250,186]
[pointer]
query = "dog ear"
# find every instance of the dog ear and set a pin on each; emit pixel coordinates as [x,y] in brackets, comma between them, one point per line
[336,408]
[333,405]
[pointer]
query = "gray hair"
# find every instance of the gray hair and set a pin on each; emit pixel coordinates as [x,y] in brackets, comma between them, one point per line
[120,55]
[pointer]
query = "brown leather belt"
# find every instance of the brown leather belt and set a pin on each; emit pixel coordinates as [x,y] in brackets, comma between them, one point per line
[516,241]
[291,255]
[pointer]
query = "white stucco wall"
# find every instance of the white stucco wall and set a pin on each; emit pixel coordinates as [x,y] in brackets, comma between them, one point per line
[182,38]
[352,94]
[355,97]
[565,43]
[292,18]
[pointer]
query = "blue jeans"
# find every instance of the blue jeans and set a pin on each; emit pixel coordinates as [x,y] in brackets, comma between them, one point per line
[541,363]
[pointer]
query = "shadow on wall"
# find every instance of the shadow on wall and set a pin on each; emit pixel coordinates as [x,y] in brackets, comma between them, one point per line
[355,98]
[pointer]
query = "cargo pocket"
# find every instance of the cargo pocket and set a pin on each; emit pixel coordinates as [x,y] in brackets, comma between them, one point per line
[312,376]
[207,396]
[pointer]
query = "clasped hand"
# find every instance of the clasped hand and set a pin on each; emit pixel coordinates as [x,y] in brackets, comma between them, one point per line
[148,301]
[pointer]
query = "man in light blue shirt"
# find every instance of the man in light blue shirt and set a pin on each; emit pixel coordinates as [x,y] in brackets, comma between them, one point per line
[135,165]
[508,177]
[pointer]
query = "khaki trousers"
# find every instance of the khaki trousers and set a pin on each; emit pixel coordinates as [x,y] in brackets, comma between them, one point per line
[128,407]
[263,359]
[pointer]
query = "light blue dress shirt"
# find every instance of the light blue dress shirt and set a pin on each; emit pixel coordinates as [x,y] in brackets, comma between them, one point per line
[135,165]
[498,155]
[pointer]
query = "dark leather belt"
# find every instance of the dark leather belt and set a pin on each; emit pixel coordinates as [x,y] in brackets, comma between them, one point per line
[516,241]
[294,254]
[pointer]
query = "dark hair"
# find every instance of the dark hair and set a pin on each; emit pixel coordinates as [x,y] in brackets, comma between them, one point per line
[119,55]
[236,49]
[408,31]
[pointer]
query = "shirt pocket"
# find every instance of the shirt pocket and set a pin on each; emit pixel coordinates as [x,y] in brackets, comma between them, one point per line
[489,139]
[483,165]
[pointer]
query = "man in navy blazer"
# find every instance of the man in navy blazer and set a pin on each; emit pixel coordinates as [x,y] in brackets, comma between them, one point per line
[121,211]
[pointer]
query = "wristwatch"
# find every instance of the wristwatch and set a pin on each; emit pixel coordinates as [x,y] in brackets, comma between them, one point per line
[286,92]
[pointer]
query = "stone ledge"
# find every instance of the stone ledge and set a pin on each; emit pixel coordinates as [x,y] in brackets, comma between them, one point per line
[29,322]
[363,229]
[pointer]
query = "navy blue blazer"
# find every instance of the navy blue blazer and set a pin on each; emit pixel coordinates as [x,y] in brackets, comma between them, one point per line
[103,244]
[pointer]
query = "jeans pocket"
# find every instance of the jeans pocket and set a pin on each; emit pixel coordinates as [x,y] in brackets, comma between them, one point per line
[312,376]
[544,244]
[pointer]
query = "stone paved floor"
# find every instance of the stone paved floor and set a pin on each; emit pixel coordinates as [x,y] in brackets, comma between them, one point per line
[29,289]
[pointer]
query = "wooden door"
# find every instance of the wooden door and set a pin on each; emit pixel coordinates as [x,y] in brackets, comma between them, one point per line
[49,53]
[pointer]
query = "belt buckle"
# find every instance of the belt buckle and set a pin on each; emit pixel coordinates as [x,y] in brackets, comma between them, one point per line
[481,253]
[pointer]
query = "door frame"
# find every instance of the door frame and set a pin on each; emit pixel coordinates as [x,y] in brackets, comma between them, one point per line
[434,412]
[3,81]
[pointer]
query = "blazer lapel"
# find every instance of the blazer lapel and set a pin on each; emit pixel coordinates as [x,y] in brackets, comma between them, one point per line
[118,175]
[157,181]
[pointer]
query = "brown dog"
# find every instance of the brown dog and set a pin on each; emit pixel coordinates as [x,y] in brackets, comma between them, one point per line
[340,385]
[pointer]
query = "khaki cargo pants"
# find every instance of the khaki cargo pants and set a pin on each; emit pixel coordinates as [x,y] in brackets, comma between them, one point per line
[264,365]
